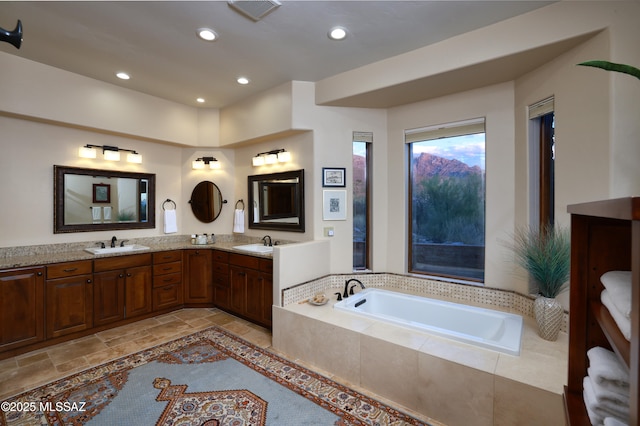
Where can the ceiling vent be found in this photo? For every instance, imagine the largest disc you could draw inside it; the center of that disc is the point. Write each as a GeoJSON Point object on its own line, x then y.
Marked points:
{"type": "Point", "coordinates": [254, 9]}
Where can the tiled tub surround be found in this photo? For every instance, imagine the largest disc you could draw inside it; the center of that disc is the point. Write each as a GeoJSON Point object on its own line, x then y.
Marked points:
{"type": "Point", "coordinates": [452, 382]}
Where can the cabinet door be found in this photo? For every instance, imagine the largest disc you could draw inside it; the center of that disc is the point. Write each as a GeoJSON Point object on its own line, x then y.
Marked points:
{"type": "Point", "coordinates": [222, 291]}
{"type": "Point", "coordinates": [238, 282]}
{"type": "Point", "coordinates": [198, 282]}
{"type": "Point", "coordinates": [21, 307]}
{"type": "Point", "coordinates": [108, 297]}
{"type": "Point", "coordinates": [138, 296]}
{"type": "Point", "coordinates": [69, 305]}
{"type": "Point", "coordinates": [254, 303]}
{"type": "Point", "coordinates": [267, 303]}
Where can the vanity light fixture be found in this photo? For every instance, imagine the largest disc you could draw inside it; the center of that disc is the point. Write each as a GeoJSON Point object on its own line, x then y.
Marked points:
{"type": "Point", "coordinates": [200, 163]}
{"type": "Point", "coordinates": [111, 153]}
{"type": "Point", "coordinates": [271, 157]}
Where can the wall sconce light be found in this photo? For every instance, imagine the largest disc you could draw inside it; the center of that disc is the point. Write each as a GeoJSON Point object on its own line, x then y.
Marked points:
{"type": "Point", "coordinates": [111, 153]}
{"type": "Point", "coordinates": [201, 162]}
{"type": "Point", "coordinates": [271, 157]}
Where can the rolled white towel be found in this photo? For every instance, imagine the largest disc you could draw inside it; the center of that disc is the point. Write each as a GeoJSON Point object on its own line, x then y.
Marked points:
{"type": "Point", "coordinates": [610, 393]}
{"type": "Point", "coordinates": [618, 284]}
{"type": "Point", "coordinates": [606, 369]}
{"type": "Point", "coordinates": [600, 411]}
{"type": "Point", "coordinates": [612, 421]}
{"type": "Point", "coordinates": [623, 323]}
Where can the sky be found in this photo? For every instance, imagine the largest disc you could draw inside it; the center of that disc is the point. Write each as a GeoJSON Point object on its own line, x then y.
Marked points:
{"type": "Point", "coordinates": [470, 149]}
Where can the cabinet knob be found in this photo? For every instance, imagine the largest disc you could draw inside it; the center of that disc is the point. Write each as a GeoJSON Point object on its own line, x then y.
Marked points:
{"type": "Point", "coordinates": [39, 274]}
{"type": "Point", "coordinates": [121, 276]}
{"type": "Point", "coordinates": [88, 281]}
{"type": "Point", "coordinates": [128, 274]}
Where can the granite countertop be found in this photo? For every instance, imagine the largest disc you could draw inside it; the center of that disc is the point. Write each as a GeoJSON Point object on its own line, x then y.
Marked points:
{"type": "Point", "coordinates": [17, 257]}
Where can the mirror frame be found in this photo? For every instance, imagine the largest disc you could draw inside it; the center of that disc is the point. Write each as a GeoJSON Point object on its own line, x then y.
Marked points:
{"type": "Point", "coordinates": [59, 227]}
{"type": "Point", "coordinates": [195, 204]}
{"type": "Point", "coordinates": [292, 227]}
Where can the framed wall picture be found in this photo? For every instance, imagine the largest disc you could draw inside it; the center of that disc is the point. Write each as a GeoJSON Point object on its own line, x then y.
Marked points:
{"type": "Point", "coordinates": [333, 177]}
{"type": "Point", "coordinates": [334, 204]}
{"type": "Point", "coordinates": [101, 193]}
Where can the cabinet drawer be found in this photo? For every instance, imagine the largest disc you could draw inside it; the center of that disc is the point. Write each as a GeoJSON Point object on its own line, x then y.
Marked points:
{"type": "Point", "coordinates": [246, 261]}
{"type": "Point", "coordinates": [167, 297]}
{"type": "Point", "coordinates": [69, 269]}
{"type": "Point", "coordinates": [167, 256]}
{"type": "Point", "coordinates": [162, 280]}
{"type": "Point", "coordinates": [220, 256]}
{"type": "Point", "coordinates": [167, 268]}
{"type": "Point", "coordinates": [121, 262]}
{"type": "Point", "coordinates": [221, 281]}
{"type": "Point", "coordinates": [266, 265]}
{"type": "Point", "coordinates": [220, 269]}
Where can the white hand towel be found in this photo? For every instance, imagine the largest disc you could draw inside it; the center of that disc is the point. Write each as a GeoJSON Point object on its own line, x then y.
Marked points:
{"type": "Point", "coordinates": [238, 221]}
{"type": "Point", "coordinates": [107, 213]}
{"type": "Point", "coordinates": [618, 284]}
{"type": "Point", "coordinates": [601, 409]}
{"type": "Point", "coordinates": [96, 212]}
{"type": "Point", "coordinates": [170, 222]}
{"type": "Point", "coordinates": [606, 369]}
{"type": "Point", "coordinates": [623, 322]}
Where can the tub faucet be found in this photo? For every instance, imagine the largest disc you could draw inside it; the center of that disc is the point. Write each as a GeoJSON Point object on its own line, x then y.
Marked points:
{"type": "Point", "coordinates": [113, 241]}
{"type": "Point", "coordinates": [346, 287]}
{"type": "Point", "coordinates": [264, 239]}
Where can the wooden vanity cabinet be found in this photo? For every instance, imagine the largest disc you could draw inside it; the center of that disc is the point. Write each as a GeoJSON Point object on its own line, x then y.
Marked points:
{"type": "Point", "coordinates": [122, 288]}
{"type": "Point", "coordinates": [167, 280]}
{"type": "Point", "coordinates": [251, 283]}
{"type": "Point", "coordinates": [68, 298]}
{"type": "Point", "coordinates": [21, 307]}
{"type": "Point", "coordinates": [198, 276]}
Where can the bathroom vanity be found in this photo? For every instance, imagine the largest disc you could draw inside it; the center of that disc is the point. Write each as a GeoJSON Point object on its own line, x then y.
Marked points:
{"type": "Point", "coordinates": [48, 303]}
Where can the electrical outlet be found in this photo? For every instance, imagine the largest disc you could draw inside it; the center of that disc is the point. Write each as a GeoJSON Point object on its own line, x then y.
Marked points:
{"type": "Point", "coordinates": [328, 231]}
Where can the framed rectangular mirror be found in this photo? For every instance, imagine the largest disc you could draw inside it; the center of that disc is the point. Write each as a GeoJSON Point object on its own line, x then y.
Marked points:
{"type": "Point", "coordinates": [276, 201]}
{"type": "Point", "coordinates": [100, 200]}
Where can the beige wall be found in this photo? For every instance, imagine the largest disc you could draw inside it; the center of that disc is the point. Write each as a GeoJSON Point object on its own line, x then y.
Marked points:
{"type": "Point", "coordinates": [597, 131]}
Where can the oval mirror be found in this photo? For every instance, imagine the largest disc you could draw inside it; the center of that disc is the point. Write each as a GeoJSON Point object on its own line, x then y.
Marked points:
{"type": "Point", "coordinates": [206, 201]}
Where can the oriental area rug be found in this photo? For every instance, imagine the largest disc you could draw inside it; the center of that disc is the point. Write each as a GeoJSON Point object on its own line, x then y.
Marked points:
{"type": "Point", "coordinates": [209, 378]}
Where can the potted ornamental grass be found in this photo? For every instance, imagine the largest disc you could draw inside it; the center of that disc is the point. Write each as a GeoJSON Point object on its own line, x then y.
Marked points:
{"type": "Point", "coordinates": [545, 253]}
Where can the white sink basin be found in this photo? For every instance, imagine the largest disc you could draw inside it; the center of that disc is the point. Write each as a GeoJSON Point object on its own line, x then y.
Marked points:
{"type": "Point", "coordinates": [255, 248]}
{"type": "Point", "coordinates": [111, 250]}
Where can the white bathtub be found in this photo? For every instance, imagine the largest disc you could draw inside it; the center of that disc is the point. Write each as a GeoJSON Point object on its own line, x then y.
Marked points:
{"type": "Point", "coordinates": [499, 331]}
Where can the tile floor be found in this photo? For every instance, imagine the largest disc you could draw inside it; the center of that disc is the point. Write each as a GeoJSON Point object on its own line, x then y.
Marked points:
{"type": "Point", "coordinates": [41, 366]}
{"type": "Point", "coordinates": [33, 369]}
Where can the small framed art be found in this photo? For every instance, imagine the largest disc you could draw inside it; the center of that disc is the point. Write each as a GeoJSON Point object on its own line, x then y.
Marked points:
{"type": "Point", "coordinates": [333, 177]}
{"type": "Point", "coordinates": [101, 193]}
{"type": "Point", "coordinates": [334, 204]}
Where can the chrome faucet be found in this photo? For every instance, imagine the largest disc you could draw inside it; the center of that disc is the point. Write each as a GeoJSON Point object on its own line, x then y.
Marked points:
{"type": "Point", "coordinates": [346, 287]}
{"type": "Point", "coordinates": [113, 241]}
{"type": "Point", "coordinates": [264, 239]}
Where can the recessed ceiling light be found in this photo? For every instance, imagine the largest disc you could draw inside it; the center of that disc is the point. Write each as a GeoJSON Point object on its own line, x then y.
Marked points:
{"type": "Point", "coordinates": [200, 100]}
{"type": "Point", "coordinates": [337, 33]}
{"type": "Point", "coordinates": [207, 34]}
{"type": "Point", "coordinates": [123, 75]}
{"type": "Point", "coordinates": [243, 80]}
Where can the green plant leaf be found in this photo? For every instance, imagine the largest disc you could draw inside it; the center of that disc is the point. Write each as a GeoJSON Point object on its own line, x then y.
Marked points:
{"type": "Point", "coordinates": [612, 66]}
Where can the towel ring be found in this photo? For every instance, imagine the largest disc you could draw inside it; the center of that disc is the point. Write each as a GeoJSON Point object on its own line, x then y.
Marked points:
{"type": "Point", "coordinates": [169, 201]}
{"type": "Point", "coordinates": [240, 201]}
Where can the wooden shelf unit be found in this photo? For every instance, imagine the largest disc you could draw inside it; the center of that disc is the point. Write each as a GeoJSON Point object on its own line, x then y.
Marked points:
{"type": "Point", "coordinates": [605, 236]}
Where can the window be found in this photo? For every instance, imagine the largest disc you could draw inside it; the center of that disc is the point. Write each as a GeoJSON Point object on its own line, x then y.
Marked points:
{"type": "Point", "coordinates": [361, 200]}
{"type": "Point", "coordinates": [447, 200]}
{"type": "Point", "coordinates": [542, 158]}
